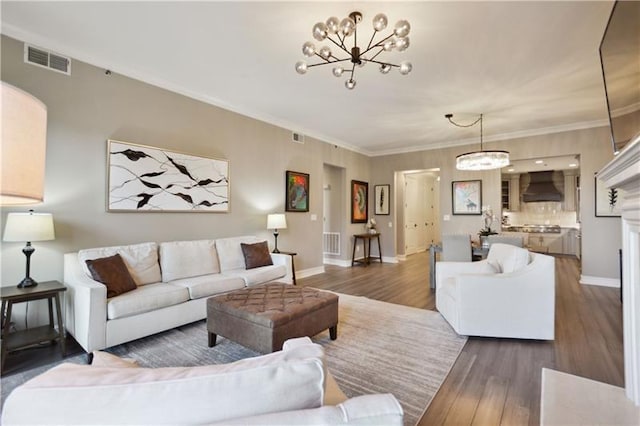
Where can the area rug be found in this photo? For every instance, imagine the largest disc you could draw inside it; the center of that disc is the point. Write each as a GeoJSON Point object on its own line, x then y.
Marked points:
{"type": "Point", "coordinates": [381, 348]}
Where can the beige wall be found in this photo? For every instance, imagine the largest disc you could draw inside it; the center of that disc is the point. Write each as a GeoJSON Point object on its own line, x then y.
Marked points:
{"type": "Point", "coordinates": [89, 107]}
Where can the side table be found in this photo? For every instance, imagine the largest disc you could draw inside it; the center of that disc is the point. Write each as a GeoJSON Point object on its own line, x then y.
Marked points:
{"type": "Point", "coordinates": [293, 266]}
{"type": "Point", "coordinates": [49, 290]}
{"type": "Point", "coordinates": [366, 246]}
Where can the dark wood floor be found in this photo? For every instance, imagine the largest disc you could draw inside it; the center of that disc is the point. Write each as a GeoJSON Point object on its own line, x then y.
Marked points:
{"type": "Point", "coordinates": [498, 381]}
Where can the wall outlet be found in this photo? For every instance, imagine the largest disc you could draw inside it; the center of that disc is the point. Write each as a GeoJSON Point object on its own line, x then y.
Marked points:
{"type": "Point", "coordinates": [314, 217]}
{"type": "Point", "coordinates": [357, 249]}
{"type": "Point", "coordinates": [446, 218]}
{"type": "Point", "coordinates": [390, 224]}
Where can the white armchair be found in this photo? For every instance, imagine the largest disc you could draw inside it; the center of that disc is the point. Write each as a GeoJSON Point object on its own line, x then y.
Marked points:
{"type": "Point", "coordinates": [510, 294]}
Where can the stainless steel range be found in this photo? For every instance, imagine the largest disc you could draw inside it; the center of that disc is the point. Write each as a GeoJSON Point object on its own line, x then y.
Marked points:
{"type": "Point", "coordinates": [534, 229]}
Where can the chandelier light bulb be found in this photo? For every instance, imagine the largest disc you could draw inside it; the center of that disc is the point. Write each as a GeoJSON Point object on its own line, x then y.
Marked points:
{"type": "Point", "coordinates": [402, 28]}
{"type": "Point", "coordinates": [385, 68]}
{"type": "Point", "coordinates": [308, 49]}
{"type": "Point", "coordinates": [333, 25]}
{"type": "Point", "coordinates": [325, 52]}
{"type": "Point", "coordinates": [350, 84]}
{"type": "Point", "coordinates": [405, 67]}
{"type": "Point", "coordinates": [319, 31]}
{"type": "Point", "coordinates": [389, 45]}
{"type": "Point", "coordinates": [402, 43]}
{"type": "Point", "coordinates": [347, 27]}
{"type": "Point", "coordinates": [380, 22]}
{"type": "Point", "coordinates": [337, 71]}
{"type": "Point", "coordinates": [301, 67]}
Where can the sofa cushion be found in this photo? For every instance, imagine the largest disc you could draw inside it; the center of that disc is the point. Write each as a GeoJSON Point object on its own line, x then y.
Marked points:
{"type": "Point", "coordinates": [208, 285]}
{"type": "Point", "coordinates": [259, 275]}
{"type": "Point", "coordinates": [507, 258]}
{"type": "Point", "coordinates": [230, 253]}
{"type": "Point", "coordinates": [141, 260]}
{"type": "Point", "coordinates": [81, 394]}
{"type": "Point", "coordinates": [184, 259]}
{"type": "Point", "coordinates": [144, 299]}
{"type": "Point", "coordinates": [113, 273]}
{"type": "Point", "coordinates": [256, 255]}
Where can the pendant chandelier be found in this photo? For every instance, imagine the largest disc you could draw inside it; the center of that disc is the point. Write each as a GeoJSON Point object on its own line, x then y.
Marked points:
{"type": "Point", "coordinates": [479, 160]}
{"type": "Point", "coordinates": [337, 32]}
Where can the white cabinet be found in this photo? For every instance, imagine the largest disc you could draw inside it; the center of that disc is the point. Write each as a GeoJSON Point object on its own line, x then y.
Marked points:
{"type": "Point", "coordinates": [510, 192]}
{"type": "Point", "coordinates": [546, 242]}
{"type": "Point", "coordinates": [569, 241]}
{"type": "Point", "coordinates": [570, 190]}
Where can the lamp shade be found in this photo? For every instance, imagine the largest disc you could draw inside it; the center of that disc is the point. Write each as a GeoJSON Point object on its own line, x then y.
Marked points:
{"type": "Point", "coordinates": [276, 221]}
{"type": "Point", "coordinates": [23, 146]}
{"type": "Point", "coordinates": [29, 227]}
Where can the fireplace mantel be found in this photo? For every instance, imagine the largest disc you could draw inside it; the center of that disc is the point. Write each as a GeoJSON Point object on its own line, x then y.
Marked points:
{"type": "Point", "coordinates": [623, 172]}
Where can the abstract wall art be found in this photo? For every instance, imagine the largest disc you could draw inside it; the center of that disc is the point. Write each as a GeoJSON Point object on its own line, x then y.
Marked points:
{"type": "Point", "coordinates": [359, 201]}
{"type": "Point", "coordinates": [297, 192]}
{"type": "Point", "coordinates": [382, 193]}
{"type": "Point", "coordinates": [466, 197]}
{"type": "Point", "coordinates": [144, 178]}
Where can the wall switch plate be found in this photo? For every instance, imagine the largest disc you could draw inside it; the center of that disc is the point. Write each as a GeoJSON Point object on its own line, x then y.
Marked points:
{"type": "Point", "coordinates": [314, 217]}
{"type": "Point", "coordinates": [446, 218]}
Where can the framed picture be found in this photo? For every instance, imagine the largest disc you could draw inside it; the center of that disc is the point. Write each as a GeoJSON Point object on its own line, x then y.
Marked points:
{"type": "Point", "coordinates": [146, 179]}
{"type": "Point", "coordinates": [382, 194]}
{"type": "Point", "coordinates": [608, 200]}
{"type": "Point", "coordinates": [297, 192]}
{"type": "Point", "coordinates": [359, 201]}
{"type": "Point", "coordinates": [466, 197]}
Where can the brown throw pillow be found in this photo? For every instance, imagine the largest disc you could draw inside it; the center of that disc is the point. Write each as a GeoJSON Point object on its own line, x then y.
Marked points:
{"type": "Point", "coordinates": [256, 255]}
{"type": "Point", "coordinates": [113, 273]}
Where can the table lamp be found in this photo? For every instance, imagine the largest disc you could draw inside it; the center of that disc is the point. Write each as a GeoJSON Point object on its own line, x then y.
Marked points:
{"type": "Point", "coordinates": [276, 221]}
{"type": "Point", "coordinates": [28, 227]}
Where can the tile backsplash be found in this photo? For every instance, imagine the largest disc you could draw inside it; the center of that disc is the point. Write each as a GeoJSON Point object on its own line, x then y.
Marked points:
{"type": "Point", "coordinates": [547, 213]}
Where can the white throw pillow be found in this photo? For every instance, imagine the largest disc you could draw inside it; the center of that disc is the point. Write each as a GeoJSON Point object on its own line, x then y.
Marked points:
{"type": "Point", "coordinates": [141, 260]}
{"type": "Point", "coordinates": [184, 259]}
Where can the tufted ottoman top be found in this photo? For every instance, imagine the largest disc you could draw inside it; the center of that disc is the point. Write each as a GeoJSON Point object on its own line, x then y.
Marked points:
{"type": "Point", "coordinates": [271, 304]}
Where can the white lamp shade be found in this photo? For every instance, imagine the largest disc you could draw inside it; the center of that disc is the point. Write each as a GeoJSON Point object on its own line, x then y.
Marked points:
{"type": "Point", "coordinates": [276, 221]}
{"type": "Point", "coordinates": [23, 146]}
{"type": "Point", "coordinates": [25, 227]}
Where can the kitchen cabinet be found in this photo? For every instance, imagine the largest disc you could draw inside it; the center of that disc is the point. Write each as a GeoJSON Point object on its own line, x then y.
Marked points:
{"type": "Point", "coordinates": [510, 192]}
{"type": "Point", "coordinates": [546, 242]}
{"type": "Point", "coordinates": [504, 194]}
{"type": "Point", "coordinates": [571, 242]}
{"type": "Point", "coordinates": [570, 190]}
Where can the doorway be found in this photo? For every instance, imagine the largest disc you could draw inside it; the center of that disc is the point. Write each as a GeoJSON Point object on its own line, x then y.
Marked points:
{"type": "Point", "coordinates": [333, 213]}
{"type": "Point", "coordinates": [420, 210]}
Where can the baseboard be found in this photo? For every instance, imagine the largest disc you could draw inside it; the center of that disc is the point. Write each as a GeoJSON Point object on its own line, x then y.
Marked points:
{"type": "Point", "coordinates": [401, 257]}
{"type": "Point", "coordinates": [309, 272]}
{"type": "Point", "coordinates": [601, 281]}
{"type": "Point", "coordinates": [386, 259]}
{"type": "Point", "coordinates": [337, 262]}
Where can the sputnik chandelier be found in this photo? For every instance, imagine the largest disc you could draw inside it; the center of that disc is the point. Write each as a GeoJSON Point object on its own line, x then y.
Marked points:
{"type": "Point", "coordinates": [337, 32]}
{"type": "Point", "coordinates": [479, 160]}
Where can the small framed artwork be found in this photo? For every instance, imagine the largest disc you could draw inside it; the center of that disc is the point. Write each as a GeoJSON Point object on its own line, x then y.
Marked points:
{"type": "Point", "coordinates": [466, 197]}
{"type": "Point", "coordinates": [143, 178]}
{"type": "Point", "coordinates": [297, 192]}
{"type": "Point", "coordinates": [382, 195]}
{"type": "Point", "coordinates": [608, 200]}
{"type": "Point", "coordinates": [359, 201]}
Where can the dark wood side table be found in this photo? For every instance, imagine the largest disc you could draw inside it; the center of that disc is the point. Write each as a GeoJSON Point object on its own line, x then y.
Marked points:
{"type": "Point", "coordinates": [293, 266]}
{"type": "Point", "coordinates": [366, 246]}
{"type": "Point", "coordinates": [49, 290]}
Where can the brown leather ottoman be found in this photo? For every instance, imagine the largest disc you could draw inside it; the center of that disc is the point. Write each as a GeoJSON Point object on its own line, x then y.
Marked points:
{"type": "Point", "coordinates": [264, 316]}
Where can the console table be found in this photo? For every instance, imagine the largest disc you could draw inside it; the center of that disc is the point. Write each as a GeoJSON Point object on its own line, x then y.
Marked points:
{"type": "Point", "coordinates": [49, 290]}
{"type": "Point", "coordinates": [366, 246]}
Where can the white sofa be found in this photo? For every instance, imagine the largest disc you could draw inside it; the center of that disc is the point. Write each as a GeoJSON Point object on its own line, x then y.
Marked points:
{"type": "Point", "coordinates": [510, 294]}
{"type": "Point", "coordinates": [289, 387]}
{"type": "Point", "coordinates": [173, 281]}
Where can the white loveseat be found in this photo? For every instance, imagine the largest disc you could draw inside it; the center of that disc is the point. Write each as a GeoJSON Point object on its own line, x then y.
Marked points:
{"type": "Point", "coordinates": [289, 387]}
{"type": "Point", "coordinates": [510, 294]}
{"type": "Point", "coordinates": [173, 280]}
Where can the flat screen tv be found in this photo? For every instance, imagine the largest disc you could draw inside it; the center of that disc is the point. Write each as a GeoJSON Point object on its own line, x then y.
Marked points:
{"type": "Point", "coordinates": [620, 59]}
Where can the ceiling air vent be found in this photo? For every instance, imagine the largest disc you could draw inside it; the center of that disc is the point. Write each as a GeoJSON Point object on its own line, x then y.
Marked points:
{"type": "Point", "coordinates": [297, 137]}
{"type": "Point", "coordinates": [43, 58]}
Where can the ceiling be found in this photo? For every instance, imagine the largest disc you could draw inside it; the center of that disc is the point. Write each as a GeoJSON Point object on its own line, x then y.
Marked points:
{"type": "Point", "coordinates": [529, 67]}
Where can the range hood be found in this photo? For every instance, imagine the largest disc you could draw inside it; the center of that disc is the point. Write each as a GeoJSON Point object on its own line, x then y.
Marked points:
{"type": "Point", "coordinates": [541, 188]}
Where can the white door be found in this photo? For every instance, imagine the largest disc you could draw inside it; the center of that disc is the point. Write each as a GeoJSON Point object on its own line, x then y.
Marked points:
{"type": "Point", "coordinates": [415, 232]}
